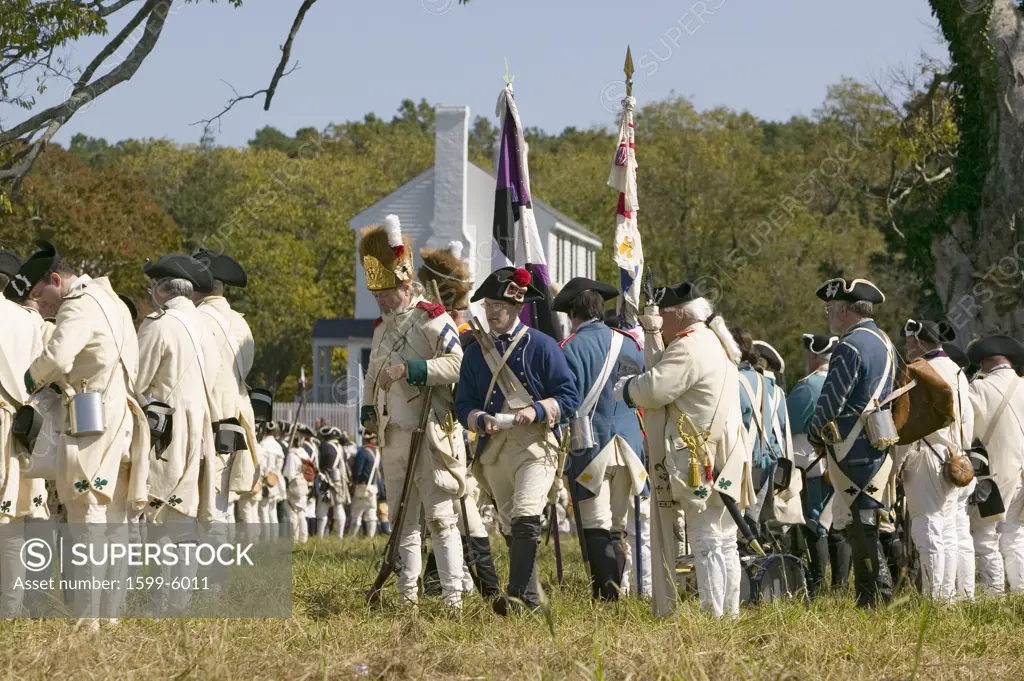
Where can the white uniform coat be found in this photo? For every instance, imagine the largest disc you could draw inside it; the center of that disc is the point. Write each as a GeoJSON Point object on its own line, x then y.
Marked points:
{"type": "Point", "coordinates": [170, 372]}
{"type": "Point", "coordinates": [1006, 444]}
{"type": "Point", "coordinates": [231, 335]}
{"type": "Point", "coordinates": [84, 349]}
{"type": "Point", "coordinates": [21, 342]}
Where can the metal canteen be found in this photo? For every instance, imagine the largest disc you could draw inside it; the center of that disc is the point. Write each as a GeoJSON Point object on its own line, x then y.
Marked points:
{"type": "Point", "coordinates": [881, 429]}
{"type": "Point", "coordinates": [87, 413]}
{"type": "Point", "coordinates": [581, 435]}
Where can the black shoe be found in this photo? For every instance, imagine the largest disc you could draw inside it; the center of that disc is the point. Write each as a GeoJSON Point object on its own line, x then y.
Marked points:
{"type": "Point", "coordinates": [478, 556]}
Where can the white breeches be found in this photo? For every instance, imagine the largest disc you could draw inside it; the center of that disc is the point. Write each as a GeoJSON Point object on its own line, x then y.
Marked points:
{"type": "Point", "coordinates": [929, 532]}
{"type": "Point", "coordinates": [364, 508]}
{"type": "Point", "coordinates": [322, 510]}
{"type": "Point", "coordinates": [712, 535]}
{"type": "Point", "coordinates": [614, 500]}
{"type": "Point", "coordinates": [298, 493]}
{"type": "Point", "coordinates": [520, 481]}
{"type": "Point", "coordinates": [11, 566]}
{"type": "Point", "coordinates": [958, 582]}
{"type": "Point", "coordinates": [996, 541]}
{"type": "Point", "coordinates": [249, 508]}
{"type": "Point", "coordinates": [439, 508]}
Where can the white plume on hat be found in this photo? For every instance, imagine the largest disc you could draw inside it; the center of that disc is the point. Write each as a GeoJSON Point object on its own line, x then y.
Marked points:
{"type": "Point", "coordinates": [455, 248]}
{"type": "Point", "coordinates": [393, 229]}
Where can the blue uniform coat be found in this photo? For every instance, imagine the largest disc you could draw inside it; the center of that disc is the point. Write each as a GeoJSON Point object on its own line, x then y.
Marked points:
{"type": "Point", "coordinates": [537, 362]}
{"type": "Point", "coordinates": [585, 352]}
{"type": "Point", "coordinates": [857, 367]}
{"type": "Point", "coordinates": [801, 404]}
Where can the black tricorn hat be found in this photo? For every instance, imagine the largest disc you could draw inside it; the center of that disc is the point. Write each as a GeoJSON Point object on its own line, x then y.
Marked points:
{"type": "Point", "coordinates": [931, 332]}
{"type": "Point", "coordinates": [818, 343]}
{"type": "Point", "coordinates": [180, 266]}
{"type": "Point", "coordinates": [33, 270]}
{"type": "Point", "coordinates": [992, 346]}
{"type": "Point", "coordinates": [957, 355]}
{"type": "Point", "coordinates": [10, 263]}
{"type": "Point", "coordinates": [576, 286]}
{"type": "Point", "coordinates": [222, 267]}
{"type": "Point", "coordinates": [850, 291]}
{"type": "Point", "coordinates": [670, 296]}
{"type": "Point", "coordinates": [508, 284]}
{"type": "Point", "coordinates": [771, 356]}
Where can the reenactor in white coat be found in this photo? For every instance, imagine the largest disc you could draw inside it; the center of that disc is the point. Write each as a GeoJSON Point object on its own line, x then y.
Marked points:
{"type": "Point", "coordinates": [998, 400]}
{"type": "Point", "coordinates": [273, 480]}
{"type": "Point", "coordinates": [929, 494]}
{"type": "Point", "coordinates": [177, 362]}
{"type": "Point", "coordinates": [691, 409]}
{"type": "Point", "coordinates": [332, 483]}
{"type": "Point", "coordinates": [93, 358]}
{"type": "Point", "coordinates": [415, 347]}
{"type": "Point", "coordinates": [235, 471]}
{"type": "Point", "coordinates": [298, 462]}
{"type": "Point", "coordinates": [20, 343]}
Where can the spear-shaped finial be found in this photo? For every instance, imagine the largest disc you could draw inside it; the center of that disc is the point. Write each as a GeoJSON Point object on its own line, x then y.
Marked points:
{"type": "Point", "coordinates": [628, 68]}
{"type": "Point", "coordinates": [508, 77]}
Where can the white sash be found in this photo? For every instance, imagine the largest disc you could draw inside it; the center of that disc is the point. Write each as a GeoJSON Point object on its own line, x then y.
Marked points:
{"type": "Point", "coordinates": [757, 411]}
{"type": "Point", "coordinates": [1000, 410]}
{"type": "Point", "coordinates": [223, 324]}
{"type": "Point", "coordinates": [105, 309]}
{"type": "Point", "coordinates": [194, 337]}
{"type": "Point", "coordinates": [589, 404]}
{"type": "Point", "coordinates": [496, 369]}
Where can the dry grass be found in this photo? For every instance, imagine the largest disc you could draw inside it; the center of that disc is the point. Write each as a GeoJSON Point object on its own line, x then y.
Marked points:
{"type": "Point", "coordinates": [334, 635]}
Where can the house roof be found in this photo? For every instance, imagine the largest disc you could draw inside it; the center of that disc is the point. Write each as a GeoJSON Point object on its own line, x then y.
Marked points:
{"type": "Point", "coordinates": [343, 328]}
{"type": "Point", "coordinates": [559, 215]}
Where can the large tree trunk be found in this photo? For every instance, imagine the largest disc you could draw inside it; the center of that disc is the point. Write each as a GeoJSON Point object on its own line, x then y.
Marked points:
{"type": "Point", "coordinates": [979, 261]}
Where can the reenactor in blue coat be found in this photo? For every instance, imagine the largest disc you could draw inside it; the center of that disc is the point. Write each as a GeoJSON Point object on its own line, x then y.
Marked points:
{"type": "Point", "coordinates": [515, 387]}
{"type": "Point", "coordinates": [818, 493]}
{"type": "Point", "coordinates": [853, 422]}
{"type": "Point", "coordinates": [764, 426]}
{"type": "Point", "coordinates": [608, 476]}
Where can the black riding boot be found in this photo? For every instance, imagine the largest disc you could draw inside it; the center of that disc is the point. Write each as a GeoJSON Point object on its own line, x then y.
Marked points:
{"type": "Point", "coordinates": [431, 578]}
{"type": "Point", "coordinates": [478, 554]}
{"type": "Point", "coordinates": [840, 555]}
{"type": "Point", "coordinates": [605, 576]}
{"type": "Point", "coordinates": [618, 545]}
{"type": "Point", "coordinates": [817, 547]}
{"type": "Point", "coordinates": [522, 567]}
{"type": "Point", "coordinates": [871, 577]}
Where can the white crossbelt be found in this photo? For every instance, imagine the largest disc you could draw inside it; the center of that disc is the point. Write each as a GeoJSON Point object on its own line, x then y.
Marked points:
{"type": "Point", "coordinates": [194, 337]}
{"type": "Point", "coordinates": [223, 324]}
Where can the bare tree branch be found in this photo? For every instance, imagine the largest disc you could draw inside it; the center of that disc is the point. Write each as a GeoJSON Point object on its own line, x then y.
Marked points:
{"type": "Point", "coordinates": [110, 9]}
{"type": "Point", "coordinates": [208, 122]}
{"type": "Point", "coordinates": [286, 52]}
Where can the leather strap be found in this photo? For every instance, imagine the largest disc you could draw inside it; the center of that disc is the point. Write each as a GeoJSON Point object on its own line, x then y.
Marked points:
{"type": "Point", "coordinates": [589, 404]}
{"type": "Point", "coordinates": [496, 368]}
{"type": "Point", "coordinates": [223, 324]}
{"type": "Point", "coordinates": [1000, 410]}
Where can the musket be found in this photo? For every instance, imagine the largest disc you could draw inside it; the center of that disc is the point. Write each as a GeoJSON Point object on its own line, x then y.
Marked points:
{"type": "Point", "coordinates": [577, 514]}
{"type": "Point", "coordinates": [302, 403]}
{"type": "Point", "coordinates": [449, 428]}
{"type": "Point", "coordinates": [553, 532]}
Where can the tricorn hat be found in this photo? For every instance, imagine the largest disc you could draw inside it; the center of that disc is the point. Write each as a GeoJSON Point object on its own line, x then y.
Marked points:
{"type": "Point", "coordinates": [221, 267]}
{"type": "Point", "coordinates": [930, 332]}
{"type": "Point", "coordinates": [386, 255]}
{"type": "Point", "coordinates": [850, 291]}
{"type": "Point", "coordinates": [819, 344]}
{"type": "Point", "coordinates": [957, 355]}
{"type": "Point", "coordinates": [771, 356]}
{"type": "Point", "coordinates": [576, 286]}
{"type": "Point", "coordinates": [510, 285]}
{"type": "Point", "coordinates": [671, 296]}
{"type": "Point", "coordinates": [181, 266]}
{"type": "Point", "coordinates": [10, 263]}
{"type": "Point", "coordinates": [446, 269]}
{"type": "Point", "coordinates": [992, 346]}
{"type": "Point", "coordinates": [33, 270]}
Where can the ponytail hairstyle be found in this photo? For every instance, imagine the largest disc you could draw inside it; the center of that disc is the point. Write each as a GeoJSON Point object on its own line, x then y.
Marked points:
{"type": "Point", "coordinates": [701, 308]}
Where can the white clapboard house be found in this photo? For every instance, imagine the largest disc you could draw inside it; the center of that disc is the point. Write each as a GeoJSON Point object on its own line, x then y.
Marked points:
{"type": "Point", "coordinates": [452, 201]}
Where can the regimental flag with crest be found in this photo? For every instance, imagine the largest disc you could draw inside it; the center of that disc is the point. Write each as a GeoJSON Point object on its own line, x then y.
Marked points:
{"type": "Point", "coordinates": [629, 252]}
{"type": "Point", "coordinates": [512, 208]}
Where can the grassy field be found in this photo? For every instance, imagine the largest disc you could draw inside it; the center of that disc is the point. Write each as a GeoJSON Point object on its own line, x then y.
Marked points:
{"type": "Point", "coordinates": [335, 635]}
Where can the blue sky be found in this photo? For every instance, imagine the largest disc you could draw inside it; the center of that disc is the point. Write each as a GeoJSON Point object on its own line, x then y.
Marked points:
{"type": "Point", "coordinates": [774, 58]}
